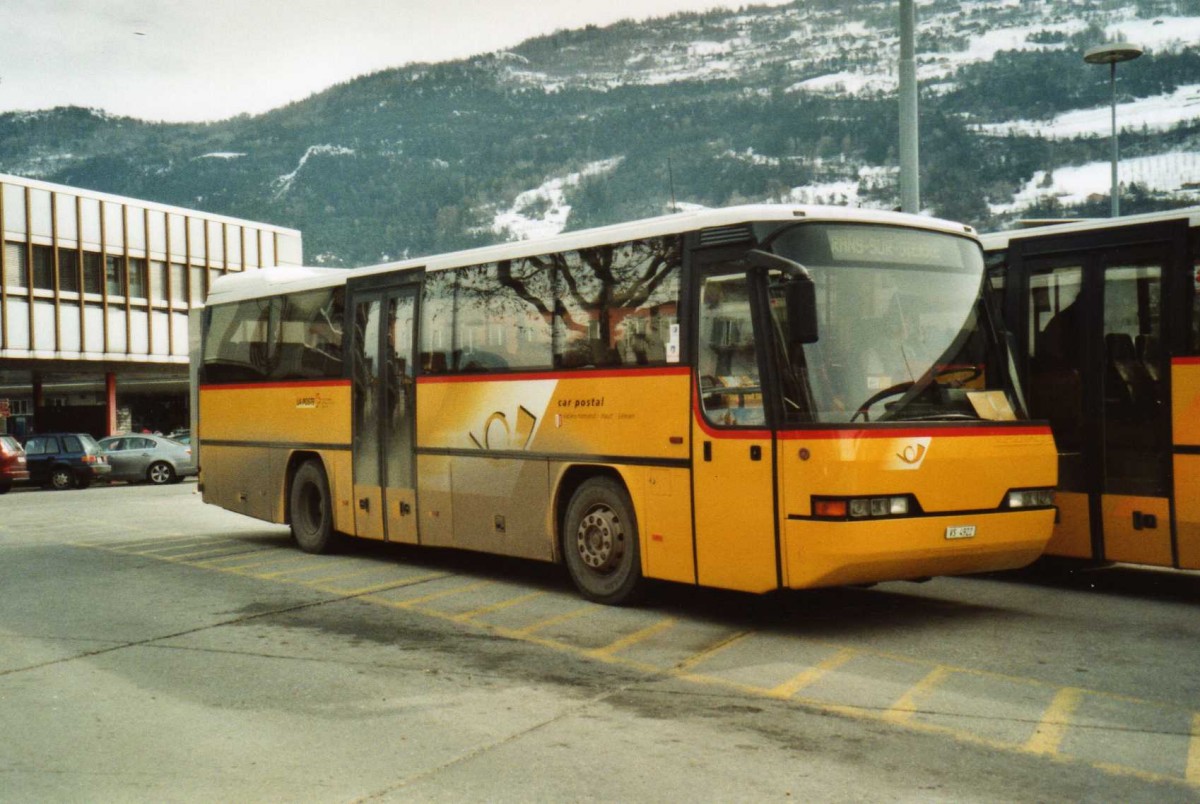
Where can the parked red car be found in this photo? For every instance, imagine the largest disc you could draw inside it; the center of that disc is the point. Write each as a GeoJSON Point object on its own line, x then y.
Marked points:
{"type": "Point", "coordinates": [12, 463]}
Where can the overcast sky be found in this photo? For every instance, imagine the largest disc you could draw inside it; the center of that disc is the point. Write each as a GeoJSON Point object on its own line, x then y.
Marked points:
{"type": "Point", "coordinates": [183, 60]}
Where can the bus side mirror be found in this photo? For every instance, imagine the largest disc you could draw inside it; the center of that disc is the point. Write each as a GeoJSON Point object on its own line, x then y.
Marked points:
{"type": "Point", "coordinates": [800, 295]}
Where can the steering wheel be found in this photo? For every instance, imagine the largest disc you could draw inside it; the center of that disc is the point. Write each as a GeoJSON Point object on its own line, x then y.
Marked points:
{"type": "Point", "coordinates": [865, 407]}
{"type": "Point", "coordinates": [936, 372]}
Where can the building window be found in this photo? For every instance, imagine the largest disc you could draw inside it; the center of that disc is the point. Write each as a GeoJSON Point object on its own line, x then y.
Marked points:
{"type": "Point", "coordinates": [196, 285]}
{"type": "Point", "coordinates": [137, 278]}
{"type": "Point", "coordinates": [14, 265]}
{"type": "Point", "coordinates": [93, 273]}
{"type": "Point", "coordinates": [68, 271]}
{"type": "Point", "coordinates": [115, 274]}
{"type": "Point", "coordinates": [179, 283]}
{"type": "Point", "coordinates": [43, 267]}
{"type": "Point", "coordinates": [158, 280]}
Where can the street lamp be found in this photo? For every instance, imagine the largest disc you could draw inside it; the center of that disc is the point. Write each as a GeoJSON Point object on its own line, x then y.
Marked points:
{"type": "Point", "coordinates": [1112, 54]}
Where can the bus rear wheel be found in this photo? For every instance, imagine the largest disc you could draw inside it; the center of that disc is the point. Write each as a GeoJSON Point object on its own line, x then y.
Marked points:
{"type": "Point", "coordinates": [310, 509]}
{"type": "Point", "coordinates": [600, 543]}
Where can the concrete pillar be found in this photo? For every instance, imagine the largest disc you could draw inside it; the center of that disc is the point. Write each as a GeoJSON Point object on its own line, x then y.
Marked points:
{"type": "Point", "coordinates": [110, 402]}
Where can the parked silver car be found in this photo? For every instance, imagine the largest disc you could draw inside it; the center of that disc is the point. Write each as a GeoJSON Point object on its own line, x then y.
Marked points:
{"type": "Point", "coordinates": [159, 460]}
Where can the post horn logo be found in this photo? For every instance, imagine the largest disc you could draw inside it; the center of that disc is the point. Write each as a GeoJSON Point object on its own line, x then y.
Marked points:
{"type": "Point", "coordinates": [913, 454]}
{"type": "Point", "coordinates": [497, 433]}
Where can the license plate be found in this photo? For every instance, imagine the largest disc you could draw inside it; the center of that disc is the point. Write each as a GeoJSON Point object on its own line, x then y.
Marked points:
{"type": "Point", "coordinates": [960, 531]}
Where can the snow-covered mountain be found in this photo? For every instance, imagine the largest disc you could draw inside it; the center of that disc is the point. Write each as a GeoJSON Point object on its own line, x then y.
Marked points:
{"type": "Point", "coordinates": [781, 103]}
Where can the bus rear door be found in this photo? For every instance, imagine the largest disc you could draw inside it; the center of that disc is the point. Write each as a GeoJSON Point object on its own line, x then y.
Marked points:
{"type": "Point", "coordinates": [1095, 327]}
{"type": "Point", "coordinates": [382, 349]}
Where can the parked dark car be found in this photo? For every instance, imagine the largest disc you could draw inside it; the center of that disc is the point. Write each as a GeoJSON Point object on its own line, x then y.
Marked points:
{"type": "Point", "coordinates": [65, 460]}
{"type": "Point", "coordinates": [12, 463]}
{"type": "Point", "coordinates": [153, 458]}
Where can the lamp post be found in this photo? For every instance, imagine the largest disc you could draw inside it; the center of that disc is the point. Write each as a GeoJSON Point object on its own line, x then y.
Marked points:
{"type": "Point", "coordinates": [1112, 54]}
{"type": "Point", "coordinates": [910, 163]}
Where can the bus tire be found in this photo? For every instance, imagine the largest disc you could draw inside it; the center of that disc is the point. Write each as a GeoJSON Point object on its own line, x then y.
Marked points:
{"type": "Point", "coordinates": [600, 543]}
{"type": "Point", "coordinates": [310, 511]}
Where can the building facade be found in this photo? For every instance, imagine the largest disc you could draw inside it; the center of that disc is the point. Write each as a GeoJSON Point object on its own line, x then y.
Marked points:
{"type": "Point", "coordinates": [94, 303]}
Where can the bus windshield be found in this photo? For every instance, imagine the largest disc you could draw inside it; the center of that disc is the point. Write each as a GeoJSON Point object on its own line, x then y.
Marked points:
{"type": "Point", "coordinates": [899, 321]}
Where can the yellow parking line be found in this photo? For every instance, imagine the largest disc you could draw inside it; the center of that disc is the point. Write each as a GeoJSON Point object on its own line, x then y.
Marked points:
{"type": "Point", "coordinates": [503, 604]}
{"type": "Point", "coordinates": [212, 562]}
{"type": "Point", "coordinates": [200, 553]}
{"type": "Point", "coordinates": [404, 604]}
{"type": "Point", "coordinates": [155, 546]}
{"type": "Point", "coordinates": [697, 658]}
{"type": "Point", "coordinates": [550, 621]}
{"type": "Point", "coordinates": [106, 545]}
{"type": "Point", "coordinates": [341, 576]}
{"type": "Point", "coordinates": [1193, 764]}
{"type": "Point", "coordinates": [1048, 735]}
{"type": "Point", "coordinates": [903, 710]}
{"type": "Point", "coordinates": [632, 639]}
{"type": "Point", "coordinates": [395, 583]}
{"type": "Point", "coordinates": [289, 570]}
{"type": "Point", "coordinates": [812, 674]}
{"type": "Point", "coordinates": [287, 557]}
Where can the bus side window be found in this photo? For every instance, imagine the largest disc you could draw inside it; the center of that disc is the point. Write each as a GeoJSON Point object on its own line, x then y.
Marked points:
{"type": "Point", "coordinates": [616, 304]}
{"type": "Point", "coordinates": [730, 393]}
{"type": "Point", "coordinates": [1195, 250]}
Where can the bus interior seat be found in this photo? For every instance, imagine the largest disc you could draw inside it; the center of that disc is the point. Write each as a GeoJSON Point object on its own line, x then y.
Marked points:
{"type": "Point", "coordinates": [1149, 355]}
{"type": "Point", "coordinates": [1129, 380]}
{"type": "Point", "coordinates": [433, 362]}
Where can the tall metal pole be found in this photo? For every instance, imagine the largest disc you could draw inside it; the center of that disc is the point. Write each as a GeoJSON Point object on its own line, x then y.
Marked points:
{"type": "Point", "coordinates": [1112, 54]}
{"type": "Point", "coordinates": [1116, 187]}
{"type": "Point", "coordinates": [910, 165]}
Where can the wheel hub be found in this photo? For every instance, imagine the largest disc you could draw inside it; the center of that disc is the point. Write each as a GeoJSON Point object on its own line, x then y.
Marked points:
{"type": "Point", "coordinates": [600, 539]}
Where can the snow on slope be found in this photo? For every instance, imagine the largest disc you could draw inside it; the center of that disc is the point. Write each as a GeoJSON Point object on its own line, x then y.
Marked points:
{"type": "Point", "coordinates": [1168, 172]}
{"type": "Point", "coordinates": [543, 211]}
{"type": "Point", "coordinates": [1156, 114]}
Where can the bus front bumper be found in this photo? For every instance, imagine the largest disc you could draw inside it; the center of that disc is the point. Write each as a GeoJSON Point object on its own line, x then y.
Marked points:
{"type": "Point", "coordinates": [838, 553]}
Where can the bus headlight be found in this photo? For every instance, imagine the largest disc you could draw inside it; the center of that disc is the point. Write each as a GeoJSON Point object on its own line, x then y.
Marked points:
{"type": "Point", "coordinates": [1030, 498]}
{"type": "Point", "coordinates": [862, 507]}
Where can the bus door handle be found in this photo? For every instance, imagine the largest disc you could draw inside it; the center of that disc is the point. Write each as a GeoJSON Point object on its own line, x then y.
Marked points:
{"type": "Point", "coordinates": [708, 450]}
{"type": "Point", "coordinates": [365, 504]}
{"type": "Point", "coordinates": [755, 452]}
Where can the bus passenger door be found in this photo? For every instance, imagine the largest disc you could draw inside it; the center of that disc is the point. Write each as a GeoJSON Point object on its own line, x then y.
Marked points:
{"type": "Point", "coordinates": [1095, 338]}
{"type": "Point", "coordinates": [733, 466]}
{"type": "Point", "coordinates": [383, 420]}
{"type": "Point", "coordinates": [399, 420]}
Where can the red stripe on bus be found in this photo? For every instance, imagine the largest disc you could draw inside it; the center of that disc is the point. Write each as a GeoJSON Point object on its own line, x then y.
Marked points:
{"type": "Point", "coordinates": [599, 374]}
{"type": "Point", "coordinates": [246, 386]}
{"type": "Point", "coordinates": [850, 434]}
{"type": "Point", "coordinates": [1185, 361]}
{"type": "Point", "coordinates": [916, 432]}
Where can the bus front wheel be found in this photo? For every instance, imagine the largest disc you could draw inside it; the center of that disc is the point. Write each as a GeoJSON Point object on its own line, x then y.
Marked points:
{"type": "Point", "coordinates": [311, 512]}
{"type": "Point", "coordinates": [600, 543]}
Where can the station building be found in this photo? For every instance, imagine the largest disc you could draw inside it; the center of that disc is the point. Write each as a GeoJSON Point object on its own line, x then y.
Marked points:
{"type": "Point", "coordinates": [94, 303]}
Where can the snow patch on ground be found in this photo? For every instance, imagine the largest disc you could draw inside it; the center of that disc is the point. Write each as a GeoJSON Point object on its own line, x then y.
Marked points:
{"type": "Point", "coordinates": [284, 182]}
{"type": "Point", "coordinates": [543, 211]}
{"type": "Point", "coordinates": [220, 155]}
{"type": "Point", "coordinates": [1158, 113]}
{"type": "Point", "coordinates": [1177, 172]}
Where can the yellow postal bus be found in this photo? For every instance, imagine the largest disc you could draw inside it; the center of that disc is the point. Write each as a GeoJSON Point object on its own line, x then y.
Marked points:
{"type": "Point", "coordinates": [751, 398]}
{"type": "Point", "coordinates": [1107, 319]}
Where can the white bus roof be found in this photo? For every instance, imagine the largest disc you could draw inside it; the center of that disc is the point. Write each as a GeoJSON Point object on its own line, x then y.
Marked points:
{"type": "Point", "coordinates": [271, 281]}
{"type": "Point", "coordinates": [993, 241]}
